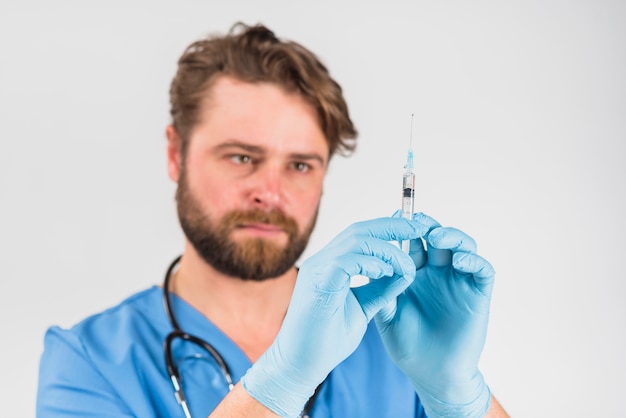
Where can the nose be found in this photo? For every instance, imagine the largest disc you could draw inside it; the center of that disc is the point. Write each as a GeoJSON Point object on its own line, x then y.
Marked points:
{"type": "Point", "coordinates": [266, 188]}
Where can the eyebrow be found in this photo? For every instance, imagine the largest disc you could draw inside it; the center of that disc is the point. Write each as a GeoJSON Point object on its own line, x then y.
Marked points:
{"type": "Point", "coordinates": [255, 149]}
{"type": "Point", "coordinates": [237, 144]}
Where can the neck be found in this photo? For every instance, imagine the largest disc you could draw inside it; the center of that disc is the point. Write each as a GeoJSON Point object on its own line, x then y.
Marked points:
{"type": "Point", "coordinates": [249, 312]}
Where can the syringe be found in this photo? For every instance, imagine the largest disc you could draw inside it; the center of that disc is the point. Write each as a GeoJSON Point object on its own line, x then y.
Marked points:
{"type": "Point", "coordinates": [408, 188]}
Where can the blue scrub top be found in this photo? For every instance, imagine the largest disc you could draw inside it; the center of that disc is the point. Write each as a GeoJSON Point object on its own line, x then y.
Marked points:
{"type": "Point", "coordinates": [112, 364]}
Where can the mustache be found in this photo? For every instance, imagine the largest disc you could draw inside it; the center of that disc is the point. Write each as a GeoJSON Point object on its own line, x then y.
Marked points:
{"type": "Point", "coordinates": [274, 217]}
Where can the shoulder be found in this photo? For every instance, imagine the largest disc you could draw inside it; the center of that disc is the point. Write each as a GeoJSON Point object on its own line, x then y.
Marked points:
{"type": "Point", "coordinates": [134, 318]}
{"type": "Point", "coordinates": [90, 366]}
{"type": "Point", "coordinates": [137, 306]}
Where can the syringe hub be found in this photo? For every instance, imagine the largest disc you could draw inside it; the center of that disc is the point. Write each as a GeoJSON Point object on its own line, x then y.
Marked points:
{"type": "Point", "coordinates": [409, 160]}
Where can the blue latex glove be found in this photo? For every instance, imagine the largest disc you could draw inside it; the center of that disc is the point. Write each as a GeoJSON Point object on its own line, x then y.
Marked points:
{"type": "Point", "coordinates": [435, 331]}
{"type": "Point", "coordinates": [326, 319]}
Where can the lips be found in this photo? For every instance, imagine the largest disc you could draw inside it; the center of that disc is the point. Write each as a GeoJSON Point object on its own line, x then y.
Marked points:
{"type": "Point", "coordinates": [261, 227]}
{"type": "Point", "coordinates": [260, 230]}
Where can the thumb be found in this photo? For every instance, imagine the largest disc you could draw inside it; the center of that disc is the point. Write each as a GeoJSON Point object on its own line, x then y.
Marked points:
{"type": "Point", "coordinates": [380, 293]}
{"type": "Point", "coordinates": [385, 315]}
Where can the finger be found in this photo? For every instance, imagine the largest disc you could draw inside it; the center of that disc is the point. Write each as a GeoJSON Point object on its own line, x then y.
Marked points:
{"type": "Point", "coordinates": [334, 275]}
{"type": "Point", "coordinates": [379, 293]}
{"type": "Point", "coordinates": [400, 262]}
{"type": "Point", "coordinates": [363, 265]}
{"type": "Point", "coordinates": [397, 214]}
{"type": "Point", "coordinates": [451, 239]}
{"type": "Point", "coordinates": [438, 257]}
{"type": "Point", "coordinates": [416, 246]}
{"type": "Point", "coordinates": [367, 256]}
{"type": "Point", "coordinates": [421, 218]}
{"type": "Point", "coordinates": [386, 313]}
{"type": "Point", "coordinates": [481, 270]}
{"type": "Point", "coordinates": [387, 229]}
{"type": "Point", "coordinates": [417, 253]}
{"type": "Point", "coordinates": [426, 220]}
{"type": "Point", "coordinates": [384, 318]}
{"type": "Point", "coordinates": [391, 271]}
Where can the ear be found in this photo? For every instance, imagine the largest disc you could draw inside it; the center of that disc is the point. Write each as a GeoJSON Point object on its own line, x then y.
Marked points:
{"type": "Point", "coordinates": [174, 155]}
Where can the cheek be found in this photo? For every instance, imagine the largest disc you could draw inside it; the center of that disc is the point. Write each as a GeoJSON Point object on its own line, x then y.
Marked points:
{"type": "Point", "coordinates": [221, 197]}
{"type": "Point", "coordinates": [307, 203]}
{"type": "Point", "coordinates": [213, 192]}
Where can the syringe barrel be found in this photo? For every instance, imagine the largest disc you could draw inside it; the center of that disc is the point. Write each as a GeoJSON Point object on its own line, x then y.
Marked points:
{"type": "Point", "coordinates": [408, 202]}
{"type": "Point", "coordinates": [408, 194]}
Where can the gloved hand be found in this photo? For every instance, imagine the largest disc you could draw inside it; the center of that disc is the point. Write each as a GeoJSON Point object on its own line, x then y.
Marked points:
{"type": "Point", "coordinates": [435, 331]}
{"type": "Point", "coordinates": [327, 319]}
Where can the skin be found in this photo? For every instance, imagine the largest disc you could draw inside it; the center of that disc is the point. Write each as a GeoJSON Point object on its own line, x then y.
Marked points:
{"type": "Point", "coordinates": [255, 147]}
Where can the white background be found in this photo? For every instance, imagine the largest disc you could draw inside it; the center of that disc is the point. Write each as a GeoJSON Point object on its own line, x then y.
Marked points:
{"type": "Point", "coordinates": [520, 140]}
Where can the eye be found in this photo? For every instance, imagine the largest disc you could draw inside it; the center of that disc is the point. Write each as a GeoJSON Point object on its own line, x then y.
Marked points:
{"type": "Point", "coordinates": [301, 167]}
{"type": "Point", "coordinates": [240, 159]}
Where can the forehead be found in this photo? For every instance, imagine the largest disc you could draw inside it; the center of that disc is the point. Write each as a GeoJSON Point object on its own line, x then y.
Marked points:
{"type": "Point", "coordinates": [226, 91]}
{"type": "Point", "coordinates": [263, 113]}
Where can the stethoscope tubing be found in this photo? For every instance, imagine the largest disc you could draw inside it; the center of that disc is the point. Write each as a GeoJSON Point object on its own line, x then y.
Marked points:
{"type": "Point", "coordinates": [177, 332]}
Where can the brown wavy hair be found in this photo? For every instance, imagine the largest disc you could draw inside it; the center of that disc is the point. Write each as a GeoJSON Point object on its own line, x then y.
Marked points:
{"type": "Point", "coordinates": [254, 54]}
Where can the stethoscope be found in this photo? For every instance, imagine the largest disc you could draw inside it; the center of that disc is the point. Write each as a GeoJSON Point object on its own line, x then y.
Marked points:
{"type": "Point", "coordinates": [177, 332]}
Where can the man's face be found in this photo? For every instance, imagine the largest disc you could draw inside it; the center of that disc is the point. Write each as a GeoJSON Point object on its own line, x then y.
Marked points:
{"type": "Point", "coordinates": [250, 183]}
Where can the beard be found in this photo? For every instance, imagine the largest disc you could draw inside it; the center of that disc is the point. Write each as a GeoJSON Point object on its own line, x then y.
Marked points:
{"type": "Point", "coordinates": [251, 259]}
